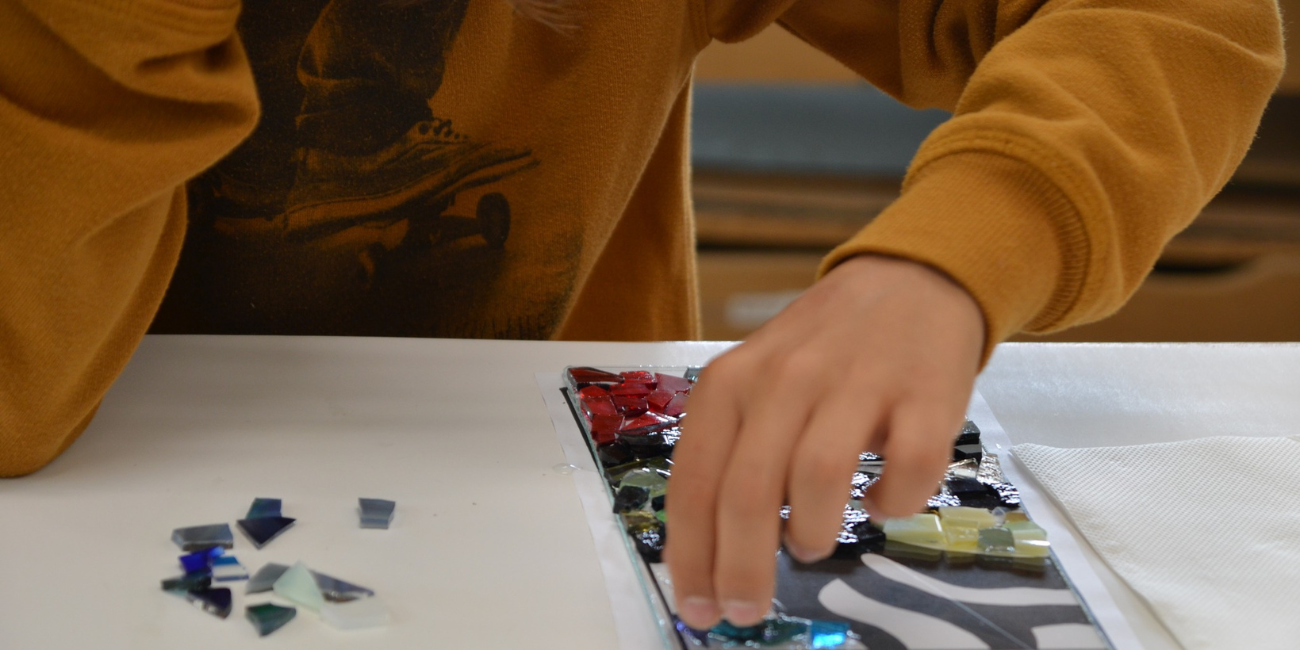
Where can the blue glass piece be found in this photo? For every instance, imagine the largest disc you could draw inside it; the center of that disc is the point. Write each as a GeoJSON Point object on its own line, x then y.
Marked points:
{"type": "Point", "coordinates": [188, 582]}
{"type": "Point", "coordinates": [261, 531]}
{"type": "Point", "coordinates": [265, 578]}
{"type": "Point", "coordinates": [267, 618]}
{"type": "Point", "coordinates": [226, 568]}
{"type": "Point", "coordinates": [263, 507]}
{"type": "Point", "coordinates": [201, 560]}
{"type": "Point", "coordinates": [199, 538]}
{"type": "Point", "coordinates": [828, 634]}
{"type": "Point", "coordinates": [213, 601]}
{"type": "Point", "coordinates": [377, 513]}
{"type": "Point", "coordinates": [339, 591]}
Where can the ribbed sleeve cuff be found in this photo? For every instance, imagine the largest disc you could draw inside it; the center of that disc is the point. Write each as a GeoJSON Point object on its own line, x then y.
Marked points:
{"type": "Point", "coordinates": [996, 226]}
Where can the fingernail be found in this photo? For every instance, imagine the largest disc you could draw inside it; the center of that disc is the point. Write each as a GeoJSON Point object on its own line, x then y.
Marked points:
{"type": "Point", "coordinates": [742, 613]}
{"type": "Point", "coordinates": [699, 612]}
{"type": "Point", "coordinates": [800, 553]}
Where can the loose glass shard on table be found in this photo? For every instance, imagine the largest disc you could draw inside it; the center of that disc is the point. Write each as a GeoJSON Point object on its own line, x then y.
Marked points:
{"type": "Point", "coordinates": [264, 507]}
{"type": "Point", "coordinates": [972, 537]}
{"type": "Point", "coordinates": [267, 618]}
{"type": "Point", "coordinates": [339, 591]}
{"type": "Point", "coordinates": [355, 614]}
{"type": "Point", "coordinates": [213, 601]}
{"type": "Point", "coordinates": [262, 530]}
{"type": "Point", "coordinates": [199, 538]}
{"type": "Point", "coordinates": [187, 582]}
{"type": "Point", "coordinates": [201, 560]}
{"type": "Point", "coordinates": [226, 569]}
{"type": "Point", "coordinates": [298, 586]}
{"type": "Point", "coordinates": [376, 513]}
{"type": "Point", "coordinates": [264, 579]}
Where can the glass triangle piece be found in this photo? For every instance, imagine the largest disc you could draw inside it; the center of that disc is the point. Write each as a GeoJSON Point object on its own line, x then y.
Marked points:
{"type": "Point", "coordinates": [198, 538]}
{"type": "Point", "coordinates": [261, 531]}
{"type": "Point", "coordinates": [356, 614]}
{"type": "Point", "coordinates": [264, 579]}
{"type": "Point", "coordinates": [297, 585]}
{"type": "Point", "coordinates": [268, 618]}
{"type": "Point", "coordinates": [339, 591]}
{"type": "Point", "coordinates": [213, 601]}
{"type": "Point", "coordinates": [263, 507]}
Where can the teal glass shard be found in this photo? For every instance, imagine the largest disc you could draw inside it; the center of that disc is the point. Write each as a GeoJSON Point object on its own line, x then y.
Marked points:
{"type": "Point", "coordinates": [377, 513]}
{"type": "Point", "coordinates": [339, 591]}
{"type": "Point", "coordinates": [268, 618]}
{"type": "Point", "coordinates": [226, 568]}
{"type": "Point", "coordinates": [188, 582]}
{"type": "Point", "coordinates": [356, 614]}
{"type": "Point", "coordinates": [261, 531]}
{"type": "Point", "coordinates": [264, 579]}
{"type": "Point", "coordinates": [213, 601]}
{"type": "Point", "coordinates": [297, 585]}
{"type": "Point", "coordinates": [199, 538]}
{"type": "Point", "coordinates": [263, 507]}
{"type": "Point", "coordinates": [828, 634]}
{"type": "Point", "coordinates": [200, 560]}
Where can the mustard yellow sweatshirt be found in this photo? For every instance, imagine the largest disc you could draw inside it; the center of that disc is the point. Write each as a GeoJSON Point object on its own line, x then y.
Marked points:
{"type": "Point", "coordinates": [451, 168]}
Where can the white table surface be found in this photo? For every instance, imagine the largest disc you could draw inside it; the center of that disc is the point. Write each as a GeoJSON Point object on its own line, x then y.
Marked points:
{"type": "Point", "coordinates": [490, 547]}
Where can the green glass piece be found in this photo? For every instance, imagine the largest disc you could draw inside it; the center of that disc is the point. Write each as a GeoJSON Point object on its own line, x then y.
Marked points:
{"type": "Point", "coordinates": [268, 618]}
{"type": "Point", "coordinates": [997, 541]}
{"type": "Point", "coordinates": [298, 585]}
{"type": "Point", "coordinates": [662, 515]}
{"type": "Point", "coordinates": [646, 479]}
{"type": "Point", "coordinates": [263, 507]}
{"type": "Point", "coordinates": [963, 517]}
{"type": "Point", "coordinates": [264, 579]}
{"type": "Point", "coordinates": [918, 530]}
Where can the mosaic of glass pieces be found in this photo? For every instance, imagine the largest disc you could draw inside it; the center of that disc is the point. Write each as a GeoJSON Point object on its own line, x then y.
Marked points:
{"type": "Point", "coordinates": [267, 618]}
{"type": "Point", "coordinates": [377, 513]}
{"type": "Point", "coordinates": [200, 538]}
{"type": "Point", "coordinates": [340, 603]}
{"type": "Point", "coordinates": [355, 614]}
{"type": "Point", "coordinates": [631, 421]}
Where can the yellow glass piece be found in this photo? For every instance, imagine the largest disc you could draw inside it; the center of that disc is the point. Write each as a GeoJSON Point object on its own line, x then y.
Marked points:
{"type": "Point", "coordinates": [1031, 539]}
{"type": "Point", "coordinates": [1015, 515]}
{"type": "Point", "coordinates": [964, 517]}
{"type": "Point", "coordinates": [918, 530]}
{"type": "Point", "coordinates": [962, 539]}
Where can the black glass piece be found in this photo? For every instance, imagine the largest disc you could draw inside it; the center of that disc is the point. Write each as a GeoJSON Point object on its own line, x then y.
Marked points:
{"type": "Point", "coordinates": [658, 502]}
{"type": "Point", "coordinates": [213, 601]}
{"type": "Point", "coordinates": [615, 454]}
{"type": "Point", "coordinates": [986, 498]}
{"type": "Point", "coordinates": [261, 531]}
{"type": "Point", "coordinates": [650, 541]}
{"type": "Point", "coordinates": [264, 507]}
{"type": "Point", "coordinates": [962, 452]}
{"type": "Point", "coordinates": [629, 498]}
{"type": "Point", "coordinates": [962, 486]}
{"type": "Point", "coordinates": [970, 434]}
{"type": "Point", "coordinates": [189, 581]}
{"type": "Point", "coordinates": [693, 374]}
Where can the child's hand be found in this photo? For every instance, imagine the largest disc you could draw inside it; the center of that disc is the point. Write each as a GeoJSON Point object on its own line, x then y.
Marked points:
{"type": "Point", "coordinates": [880, 355]}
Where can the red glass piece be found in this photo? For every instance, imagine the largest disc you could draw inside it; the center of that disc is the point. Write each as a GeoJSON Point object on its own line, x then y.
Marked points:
{"type": "Point", "coordinates": [676, 407]}
{"type": "Point", "coordinates": [592, 391]}
{"type": "Point", "coordinates": [639, 390]}
{"type": "Point", "coordinates": [673, 384]}
{"type": "Point", "coordinates": [639, 377]}
{"type": "Point", "coordinates": [603, 428]}
{"type": "Point", "coordinates": [630, 405]}
{"type": "Point", "coordinates": [659, 399]}
{"type": "Point", "coordinates": [584, 377]}
{"type": "Point", "coordinates": [599, 406]}
{"type": "Point", "coordinates": [645, 423]}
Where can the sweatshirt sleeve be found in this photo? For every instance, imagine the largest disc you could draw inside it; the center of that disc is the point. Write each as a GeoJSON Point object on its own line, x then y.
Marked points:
{"type": "Point", "coordinates": [106, 109]}
{"type": "Point", "coordinates": [1086, 133]}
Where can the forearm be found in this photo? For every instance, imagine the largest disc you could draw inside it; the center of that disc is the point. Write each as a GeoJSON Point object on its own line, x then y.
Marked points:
{"type": "Point", "coordinates": [105, 112]}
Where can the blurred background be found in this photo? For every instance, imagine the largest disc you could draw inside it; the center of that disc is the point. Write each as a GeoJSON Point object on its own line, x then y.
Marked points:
{"type": "Point", "coordinates": [793, 154]}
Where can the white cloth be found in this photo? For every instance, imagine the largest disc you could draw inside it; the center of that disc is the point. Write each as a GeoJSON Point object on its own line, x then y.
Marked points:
{"type": "Point", "coordinates": [1207, 531]}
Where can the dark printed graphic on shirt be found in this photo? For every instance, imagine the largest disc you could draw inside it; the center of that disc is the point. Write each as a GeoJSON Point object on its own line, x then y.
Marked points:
{"type": "Point", "coordinates": [353, 208]}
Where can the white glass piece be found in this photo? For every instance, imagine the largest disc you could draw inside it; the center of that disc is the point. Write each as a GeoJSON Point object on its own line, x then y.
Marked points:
{"type": "Point", "coordinates": [298, 586]}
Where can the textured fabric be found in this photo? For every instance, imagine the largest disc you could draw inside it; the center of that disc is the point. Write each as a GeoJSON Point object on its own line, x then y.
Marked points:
{"type": "Point", "coordinates": [370, 199]}
{"type": "Point", "coordinates": [1207, 530]}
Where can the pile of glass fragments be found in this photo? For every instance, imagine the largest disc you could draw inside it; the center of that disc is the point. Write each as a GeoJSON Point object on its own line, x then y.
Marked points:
{"type": "Point", "coordinates": [339, 603]}
{"type": "Point", "coordinates": [632, 418]}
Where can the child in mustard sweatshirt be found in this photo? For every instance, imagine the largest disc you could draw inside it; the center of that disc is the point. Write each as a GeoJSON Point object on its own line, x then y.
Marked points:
{"type": "Point", "coordinates": [468, 168]}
